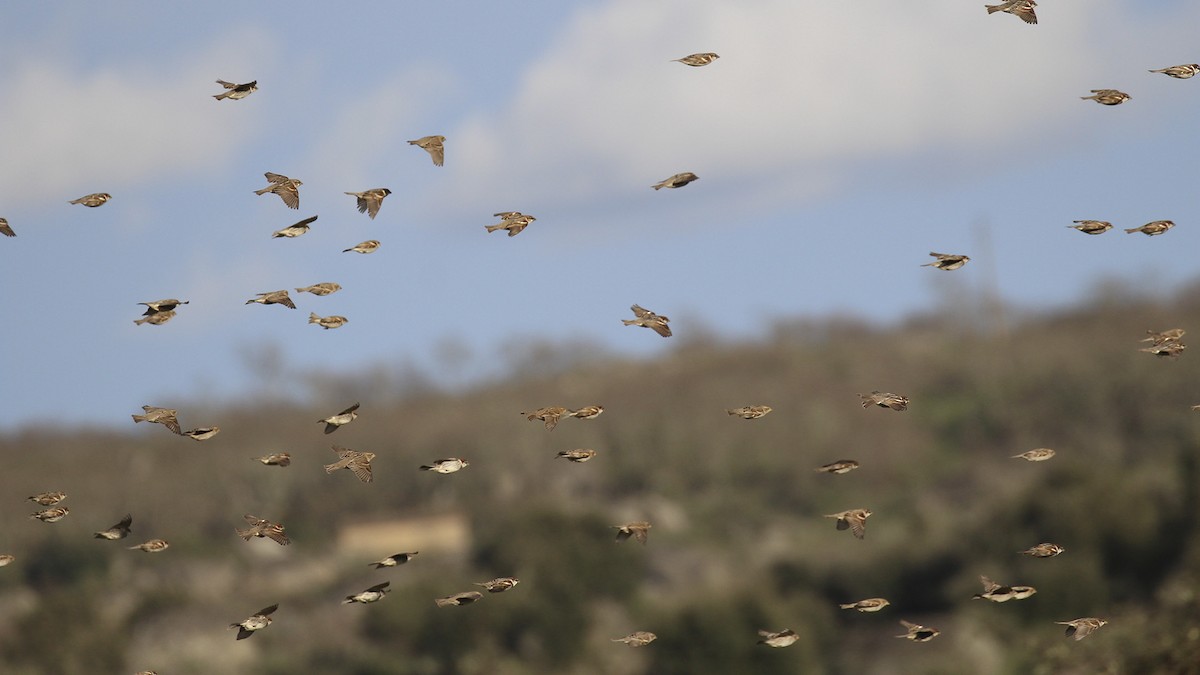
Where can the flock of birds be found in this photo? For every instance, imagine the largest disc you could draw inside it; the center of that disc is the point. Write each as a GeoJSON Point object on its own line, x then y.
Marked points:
{"type": "Point", "coordinates": [370, 201]}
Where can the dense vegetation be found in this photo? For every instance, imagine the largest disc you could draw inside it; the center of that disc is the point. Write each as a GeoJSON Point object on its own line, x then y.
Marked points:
{"type": "Point", "coordinates": [738, 540]}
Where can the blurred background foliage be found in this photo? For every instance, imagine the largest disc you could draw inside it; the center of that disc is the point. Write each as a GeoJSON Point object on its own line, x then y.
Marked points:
{"type": "Point", "coordinates": [738, 540]}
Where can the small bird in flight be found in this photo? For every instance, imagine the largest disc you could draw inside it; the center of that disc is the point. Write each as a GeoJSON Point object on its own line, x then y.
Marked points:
{"type": "Point", "coordinates": [168, 417]}
{"type": "Point", "coordinates": [1036, 455]}
{"type": "Point", "coordinates": [51, 515]}
{"type": "Point", "coordinates": [1081, 628]}
{"type": "Point", "coordinates": [1091, 226]}
{"type": "Point", "coordinates": [275, 459]}
{"type": "Point", "coordinates": [917, 632]}
{"type": "Point", "coordinates": [1152, 228]}
{"type": "Point", "coordinates": [676, 181]}
{"type": "Point", "coordinates": [513, 221]}
{"type": "Point", "coordinates": [577, 456]}
{"type": "Point", "coordinates": [782, 638]}
{"type": "Point", "coordinates": [324, 288]}
{"type": "Point", "coordinates": [369, 201]}
{"type": "Point", "coordinates": [368, 246]}
{"type": "Point", "coordinates": [1044, 550]}
{"type": "Point", "coordinates": [394, 560]}
{"type": "Point", "coordinates": [447, 465]}
{"type": "Point", "coordinates": [93, 200]}
{"type": "Point", "coordinates": [257, 621]}
{"type": "Point", "coordinates": [639, 530]}
{"type": "Point", "coordinates": [499, 584]}
{"type": "Point", "coordinates": [372, 594]}
{"type": "Point", "coordinates": [236, 91]}
{"type": "Point", "coordinates": [292, 231]}
{"type": "Point", "coordinates": [1180, 72]}
{"type": "Point", "coordinates": [459, 599]}
{"type": "Point", "coordinates": [288, 189]}
{"type": "Point", "coordinates": [434, 145]}
{"type": "Point", "coordinates": [947, 261]}
{"type": "Point", "coordinates": [202, 433]}
{"type": "Point", "coordinates": [261, 527]}
{"type": "Point", "coordinates": [1018, 8]}
{"type": "Point", "coordinates": [750, 412]}
{"type": "Point", "coordinates": [854, 519]}
{"type": "Point", "coordinates": [165, 305]}
{"type": "Point", "coordinates": [884, 399]}
{"type": "Point", "coordinates": [274, 298]}
{"type": "Point", "coordinates": [1107, 96]}
{"type": "Point", "coordinates": [840, 466]}
{"type": "Point", "coordinates": [867, 605]}
{"type": "Point", "coordinates": [548, 415]}
{"type": "Point", "coordinates": [152, 546]}
{"type": "Point", "coordinates": [639, 638]}
{"type": "Point", "coordinates": [697, 60]}
{"type": "Point", "coordinates": [118, 531]}
{"type": "Point", "coordinates": [358, 463]}
{"type": "Point", "coordinates": [5, 229]}
{"type": "Point", "coordinates": [327, 322]}
{"type": "Point", "coordinates": [345, 417]}
{"type": "Point", "coordinates": [587, 412]}
{"type": "Point", "coordinates": [155, 319]}
{"type": "Point", "coordinates": [997, 593]}
{"type": "Point", "coordinates": [647, 319]}
{"type": "Point", "coordinates": [48, 498]}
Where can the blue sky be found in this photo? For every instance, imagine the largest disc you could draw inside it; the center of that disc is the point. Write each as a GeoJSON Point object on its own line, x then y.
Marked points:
{"type": "Point", "coordinates": [837, 144]}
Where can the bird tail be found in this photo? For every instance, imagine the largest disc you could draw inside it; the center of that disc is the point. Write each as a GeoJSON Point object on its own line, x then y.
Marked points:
{"type": "Point", "coordinates": [992, 9]}
{"type": "Point", "coordinates": [847, 606]}
{"type": "Point", "coordinates": [224, 94]}
{"type": "Point", "coordinates": [629, 322]}
{"type": "Point", "coordinates": [138, 418]}
{"type": "Point", "coordinates": [442, 602]}
{"type": "Point", "coordinates": [245, 535]}
{"type": "Point", "coordinates": [330, 468]}
{"type": "Point", "coordinates": [138, 322]}
{"type": "Point", "coordinates": [427, 467]}
{"type": "Point", "coordinates": [1132, 230]}
{"type": "Point", "coordinates": [493, 228]}
{"type": "Point", "coordinates": [656, 187]}
{"type": "Point", "coordinates": [313, 318]}
{"type": "Point", "coordinates": [348, 600]}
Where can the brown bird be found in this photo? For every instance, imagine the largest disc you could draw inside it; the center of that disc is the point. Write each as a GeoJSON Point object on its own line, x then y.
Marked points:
{"type": "Point", "coordinates": [997, 593]}
{"type": "Point", "coordinates": [257, 621]}
{"type": "Point", "coordinates": [1180, 72]}
{"type": "Point", "coordinates": [549, 415]}
{"type": "Point", "coordinates": [5, 229]}
{"type": "Point", "coordinates": [51, 515]}
{"type": "Point", "coordinates": [1152, 228]}
{"type": "Point", "coordinates": [577, 455]}
{"type": "Point", "coordinates": [587, 412]}
{"type": "Point", "coordinates": [1091, 226]}
{"type": "Point", "coordinates": [676, 181]}
{"type": "Point", "coordinates": [324, 288]}
{"type": "Point", "coordinates": [647, 319]}
{"type": "Point", "coordinates": [499, 584]}
{"type": "Point", "coordinates": [369, 201]}
{"type": "Point", "coordinates": [1107, 96]}
{"type": "Point", "coordinates": [359, 463]}
{"type": "Point", "coordinates": [1081, 628]}
{"type": "Point", "coordinates": [840, 466]}
{"type": "Point", "coordinates": [750, 412]}
{"type": "Point", "coordinates": [368, 246]}
{"type": "Point", "coordinates": [261, 527]}
{"type": "Point", "coordinates": [868, 605]}
{"type": "Point", "coordinates": [48, 498]}
{"type": "Point", "coordinates": [513, 221]}
{"type": "Point", "coordinates": [1035, 455]}
{"type": "Point", "coordinates": [394, 560]}
{"type": "Point", "coordinates": [1023, 9]}
{"type": "Point", "coordinates": [884, 399]}
{"type": "Point", "coordinates": [6, 559]}
{"type": "Point", "coordinates": [152, 546]}
{"type": "Point", "coordinates": [459, 599]}
{"type": "Point", "coordinates": [1044, 550]}
{"type": "Point", "coordinates": [118, 531]}
{"type": "Point", "coordinates": [274, 298]}
{"type": "Point", "coordinates": [275, 459]}
{"type": "Point", "coordinates": [947, 261]}
{"type": "Point", "coordinates": [639, 530]}
{"type": "Point", "coordinates": [434, 145]}
{"type": "Point", "coordinates": [328, 322]}
{"type": "Point", "coordinates": [372, 594]}
{"type": "Point", "coordinates": [345, 417]}
{"type": "Point", "coordinates": [156, 319]}
{"type": "Point", "coordinates": [917, 632]}
{"type": "Point", "coordinates": [854, 519]}
{"type": "Point", "coordinates": [294, 230]}
{"type": "Point", "coordinates": [1168, 348]}
{"type": "Point", "coordinates": [93, 200]}
{"type": "Point", "coordinates": [288, 189]}
{"type": "Point", "coordinates": [236, 91]}
{"type": "Point", "coordinates": [639, 638]}
{"type": "Point", "coordinates": [164, 305]}
{"type": "Point", "coordinates": [783, 638]}
{"type": "Point", "coordinates": [697, 60]}
{"type": "Point", "coordinates": [167, 417]}
{"type": "Point", "coordinates": [1173, 334]}
{"type": "Point", "coordinates": [202, 433]}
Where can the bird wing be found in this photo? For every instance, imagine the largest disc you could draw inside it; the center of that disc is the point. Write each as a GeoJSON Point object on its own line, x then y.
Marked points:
{"type": "Point", "coordinates": [379, 587]}
{"type": "Point", "coordinates": [361, 468]}
{"type": "Point", "coordinates": [661, 328]}
{"type": "Point", "coordinates": [5, 229]}
{"type": "Point", "coordinates": [276, 177]}
{"type": "Point", "coordinates": [306, 221]}
{"type": "Point", "coordinates": [858, 525]}
{"type": "Point", "coordinates": [349, 410]}
{"type": "Point", "coordinates": [289, 193]}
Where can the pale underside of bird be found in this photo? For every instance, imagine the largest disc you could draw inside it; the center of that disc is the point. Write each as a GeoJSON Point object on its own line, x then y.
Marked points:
{"type": "Point", "coordinates": [168, 417]}
{"type": "Point", "coordinates": [52, 515]}
{"type": "Point", "coordinates": [1081, 628]}
{"type": "Point", "coordinates": [6, 559]}
{"type": "Point", "coordinates": [647, 319]}
{"type": "Point", "coordinates": [1107, 96]}
{"type": "Point", "coordinates": [840, 466]}
{"type": "Point", "coordinates": [364, 247]}
{"type": "Point", "coordinates": [202, 433]}
{"type": "Point", "coordinates": [261, 527]}
{"type": "Point", "coordinates": [1046, 550]}
{"type": "Point", "coordinates": [369, 201]}
{"type": "Point", "coordinates": [275, 459]}
{"type": "Point", "coordinates": [118, 531]}
{"type": "Point", "coordinates": [855, 520]}
{"type": "Point", "coordinates": [1091, 226]}
{"type": "Point", "coordinates": [459, 599]}
{"type": "Point", "coordinates": [947, 261]}
{"type": "Point", "coordinates": [279, 297]}
{"type": "Point", "coordinates": [750, 412]}
{"type": "Point", "coordinates": [1181, 72]}
{"type": "Point", "coordinates": [512, 221]}
{"type": "Point", "coordinates": [358, 463]}
{"type": "Point", "coordinates": [447, 465]}
{"type": "Point", "coordinates": [781, 638]}
{"type": "Point", "coordinates": [697, 60]}
{"type": "Point", "coordinates": [434, 145]}
{"type": "Point", "coordinates": [48, 498]}
{"type": "Point", "coordinates": [866, 605]}
{"type": "Point", "coordinates": [333, 422]}
{"type": "Point", "coordinates": [676, 181]}
{"type": "Point", "coordinates": [548, 415]}
{"type": "Point", "coordinates": [152, 546]}
{"type": "Point", "coordinates": [1036, 455]}
{"type": "Point", "coordinates": [236, 91]}
{"type": "Point", "coordinates": [639, 530]}
{"type": "Point", "coordinates": [372, 594]}
{"type": "Point", "coordinates": [394, 560]}
{"type": "Point", "coordinates": [156, 319]}
{"type": "Point", "coordinates": [6, 229]}
{"type": "Point", "coordinates": [1153, 228]}
{"type": "Point", "coordinates": [577, 455]}
{"type": "Point", "coordinates": [257, 621]}
{"type": "Point", "coordinates": [1022, 9]}
{"type": "Point", "coordinates": [288, 189]}
{"type": "Point", "coordinates": [917, 632]}
{"type": "Point", "coordinates": [587, 412]}
{"type": "Point", "coordinates": [93, 200]}
{"type": "Point", "coordinates": [328, 322]}
{"type": "Point", "coordinates": [639, 638]}
{"type": "Point", "coordinates": [499, 584]}
{"type": "Point", "coordinates": [884, 399]}
{"type": "Point", "coordinates": [294, 230]}
{"type": "Point", "coordinates": [323, 288]}
{"type": "Point", "coordinates": [995, 592]}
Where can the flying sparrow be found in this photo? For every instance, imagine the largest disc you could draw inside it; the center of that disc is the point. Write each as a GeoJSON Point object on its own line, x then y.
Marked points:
{"type": "Point", "coordinates": [368, 246]}
{"type": "Point", "coordinates": [257, 621]}
{"type": "Point", "coordinates": [783, 638]}
{"type": "Point", "coordinates": [275, 459]}
{"type": "Point", "coordinates": [372, 594]}
{"type": "Point", "coordinates": [750, 412]}
{"type": "Point", "coordinates": [394, 560]}
{"type": "Point", "coordinates": [118, 531]}
{"type": "Point", "coordinates": [639, 530]}
{"type": "Point", "coordinates": [167, 417]}
{"type": "Point", "coordinates": [51, 515]}
{"type": "Point", "coordinates": [1152, 228]}
{"type": "Point", "coordinates": [1180, 72]}
{"type": "Point", "coordinates": [93, 200]}
{"type": "Point", "coordinates": [1018, 8]}
{"type": "Point", "coordinates": [499, 584]}
{"type": "Point", "coordinates": [647, 319]}
{"type": "Point", "coordinates": [155, 319]}
{"type": "Point", "coordinates": [1081, 628]}
{"type": "Point", "coordinates": [868, 605]}
{"type": "Point", "coordinates": [587, 412]}
{"type": "Point", "coordinates": [369, 201]}
{"type": "Point", "coordinates": [549, 415]}
{"type": "Point", "coordinates": [1091, 226]}
{"type": "Point", "coordinates": [1035, 455]}
{"type": "Point", "coordinates": [288, 189]}
{"type": "Point", "coordinates": [261, 527]}
{"type": "Point", "coordinates": [274, 298]}
{"type": "Point", "coordinates": [947, 261]}
{"type": "Point", "coordinates": [345, 417]}
{"type": "Point", "coordinates": [48, 498]}
{"type": "Point", "coordinates": [295, 230]}
{"type": "Point", "coordinates": [5, 229]}
{"type": "Point", "coordinates": [359, 463]}
{"type": "Point", "coordinates": [676, 181]}
{"type": "Point", "coordinates": [202, 433]}
{"type": "Point", "coordinates": [459, 599]}
{"type": "Point", "coordinates": [327, 322]}
{"type": "Point", "coordinates": [1107, 96]}
{"type": "Point", "coordinates": [996, 593]}
{"type": "Point", "coordinates": [1172, 334]}
{"type": "Point", "coordinates": [577, 455]}
{"type": "Point", "coordinates": [884, 399]}
{"type": "Point", "coordinates": [1044, 550]}
{"type": "Point", "coordinates": [434, 145]}
{"type": "Point", "coordinates": [697, 60]}
{"type": "Point", "coordinates": [639, 638]}
{"type": "Point", "coordinates": [6, 559]}
{"type": "Point", "coordinates": [1167, 348]}
{"type": "Point", "coordinates": [236, 91]}
{"type": "Point", "coordinates": [514, 222]}
{"type": "Point", "coordinates": [840, 466]}
{"type": "Point", "coordinates": [854, 519]}
{"type": "Point", "coordinates": [152, 546]}
{"type": "Point", "coordinates": [917, 632]}
{"type": "Point", "coordinates": [324, 288]}
{"type": "Point", "coordinates": [447, 465]}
